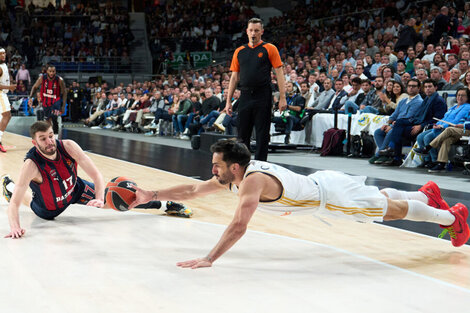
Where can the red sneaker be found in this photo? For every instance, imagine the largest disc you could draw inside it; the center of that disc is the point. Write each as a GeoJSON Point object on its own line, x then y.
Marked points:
{"type": "Point", "coordinates": [459, 231]}
{"type": "Point", "coordinates": [2, 149]}
{"type": "Point", "coordinates": [432, 191]}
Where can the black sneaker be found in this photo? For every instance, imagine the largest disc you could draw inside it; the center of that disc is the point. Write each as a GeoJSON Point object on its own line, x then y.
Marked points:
{"type": "Point", "coordinates": [439, 167]}
{"type": "Point", "coordinates": [178, 209]}
{"type": "Point", "coordinates": [421, 151]}
{"type": "Point", "coordinates": [5, 180]}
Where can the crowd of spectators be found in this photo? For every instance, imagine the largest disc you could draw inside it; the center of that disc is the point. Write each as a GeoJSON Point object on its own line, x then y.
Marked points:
{"type": "Point", "coordinates": [391, 62]}
{"type": "Point", "coordinates": [88, 31]}
{"type": "Point", "coordinates": [172, 27]}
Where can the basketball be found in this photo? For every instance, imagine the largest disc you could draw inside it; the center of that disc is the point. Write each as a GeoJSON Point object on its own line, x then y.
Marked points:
{"type": "Point", "coordinates": [120, 193]}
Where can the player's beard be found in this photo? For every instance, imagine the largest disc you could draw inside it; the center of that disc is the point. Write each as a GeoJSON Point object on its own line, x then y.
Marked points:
{"type": "Point", "coordinates": [48, 150]}
{"type": "Point", "coordinates": [226, 178]}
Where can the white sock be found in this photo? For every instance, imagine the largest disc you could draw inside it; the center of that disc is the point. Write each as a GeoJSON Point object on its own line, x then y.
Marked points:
{"type": "Point", "coordinates": [10, 187]}
{"type": "Point", "coordinates": [395, 194]}
{"type": "Point", "coordinates": [1, 134]}
{"type": "Point", "coordinates": [420, 212]}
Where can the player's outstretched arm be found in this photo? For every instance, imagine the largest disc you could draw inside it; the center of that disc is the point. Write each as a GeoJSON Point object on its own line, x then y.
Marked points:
{"type": "Point", "coordinates": [250, 191]}
{"type": "Point", "coordinates": [28, 172]}
{"type": "Point", "coordinates": [90, 168]}
{"type": "Point", "coordinates": [177, 193]}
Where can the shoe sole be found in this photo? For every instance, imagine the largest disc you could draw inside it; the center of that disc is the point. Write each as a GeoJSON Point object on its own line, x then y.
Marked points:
{"type": "Point", "coordinates": [4, 190]}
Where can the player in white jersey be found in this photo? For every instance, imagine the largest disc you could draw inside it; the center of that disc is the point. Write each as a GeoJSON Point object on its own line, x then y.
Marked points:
{"type": "Point", "coordinates": [5, 86]}
{"type": "Point", "coordinates": [278, 190]}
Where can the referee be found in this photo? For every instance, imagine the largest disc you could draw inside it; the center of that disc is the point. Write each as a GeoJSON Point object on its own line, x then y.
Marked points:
{"type": "Point", "coordinates": [251, 66]}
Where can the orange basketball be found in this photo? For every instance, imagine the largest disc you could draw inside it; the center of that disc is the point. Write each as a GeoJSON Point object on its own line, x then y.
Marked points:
{"type": "Point", "coordinates": [120, 193]}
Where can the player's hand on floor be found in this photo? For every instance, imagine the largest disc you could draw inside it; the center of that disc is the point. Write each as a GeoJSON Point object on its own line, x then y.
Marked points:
{"type": "Point", "coordinates": [96, 203]}
{"type": "Point", "coordinates": [196, 263]}
{"type": "Point", "coordinates": [141, 196]}
{"type": "Point", "coordinates": [16, 233]}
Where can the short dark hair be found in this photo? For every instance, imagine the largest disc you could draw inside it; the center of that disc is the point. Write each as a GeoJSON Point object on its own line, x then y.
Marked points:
{"type": "Point", "coordinates": [429, 80]}
{"type": "Point", "coordinates": [366, 81]}
{"type": "Point", "coordinates": [255, 20]}
{"type": "Point", "coordinates": [40, 126]}
{"type": "Point", "coordinates": [414, 80]}
{"type": "Point", "coordinates": [356, 80]}
{"type": "Point", "coordinates": [233, 151]}
{"type": "Point", "coordinates": [467, 91]}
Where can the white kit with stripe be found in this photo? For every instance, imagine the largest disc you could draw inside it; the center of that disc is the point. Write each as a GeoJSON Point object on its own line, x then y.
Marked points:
{"type": "Point", "coordinates": [329, 193]}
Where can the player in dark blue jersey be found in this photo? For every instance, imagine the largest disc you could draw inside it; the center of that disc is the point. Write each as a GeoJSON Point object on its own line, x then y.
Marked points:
{"type": "Point", "coordinates": [50, 170]}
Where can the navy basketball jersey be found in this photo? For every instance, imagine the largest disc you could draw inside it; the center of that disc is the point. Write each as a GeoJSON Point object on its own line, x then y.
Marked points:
{"type": "Point", "coordinates": [59, 178]}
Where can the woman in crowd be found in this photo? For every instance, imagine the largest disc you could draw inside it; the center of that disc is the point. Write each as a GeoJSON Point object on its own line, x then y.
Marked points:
{"type": "Point", "coordinates": [394, 93]}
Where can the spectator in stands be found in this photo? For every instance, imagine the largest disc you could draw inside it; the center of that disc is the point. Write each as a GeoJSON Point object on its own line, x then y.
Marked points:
{"type": "Point", "coordinates": [406, 111]}
{"type": "Point", "coordinates": [445, 70]}
{"type": "Point", "coordinates": [292, 115]}
{"type": "Point", "coordinates": [97, 110]}
{"type": "Point", "coordinates": [210, 110]}
{"type": "Point", "coordinates": [407, 36]}
{"type": "Point", "coordinates": [195, 112]}
{"type": "Point", "coordinates": [374, 67]}
{"type": "Point", "coordinates": [430, 53]}
{"type": "Point", "coordinates": [182, 111]}
{"type": "Point", "coordinates": [443, 142]}
{"type": "Point", "coordinates": [320, 104]}
{"type": "Point", "coordinates": [441, 24]}
{"type": "Point", "coordinates": [23, 75]}
{"type": "Point", "coordinates": [231, 121]}
{"type": "Point", "coordinates": [335, 100]}
{"type": "Point", "coordinates": [454, 115]}
{"type": "Point", "coordinates": [391, 98]}
{"type": "Point", "coordinates": [436, 75]}
{"type": "Point", "coordinates": [421, 75]}
{"type": "Point", "coordinates": [454, 82]}
{"type": "Point", "coordinates": [354, 98]}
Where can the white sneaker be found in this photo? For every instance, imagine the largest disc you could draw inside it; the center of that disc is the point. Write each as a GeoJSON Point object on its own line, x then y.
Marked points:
{"type": "Point", "coordinates": [108, 126]}
{"type": "Point", "coordinates": [186, 131]}
{"type": "Point", "coordinates": [95, 127]}
{"type": "Point", "coordinates": [150, 126]}
{"type": "Point", "coordinates": [184, 137]}
{"type": "Point", "coordinates": [219, 127]}
{"type": "Point", "coordinates": [128, 125]}
{"type": "Point", "coordinates": [150, 133]}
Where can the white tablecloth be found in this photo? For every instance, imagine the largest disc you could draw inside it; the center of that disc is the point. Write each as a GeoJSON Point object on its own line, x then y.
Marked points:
{"type": "Point", "coordinates": [324, 121]}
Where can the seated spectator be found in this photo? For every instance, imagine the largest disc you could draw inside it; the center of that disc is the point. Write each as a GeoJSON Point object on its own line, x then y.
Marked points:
{"type": "Point", "coordinates": [230, 122]}
{"type": "Point", "coordinates": [162, 113]}
{"type": "Point", "coordinates": [436, 75]}
{"type": "Point", "coordinates": [292, 115]}
{"type": "Point", "coordinates": [454, 115]}
{"type": "Point", "coordinates": [392, 98]}
{"type": "Point", "coordinates": [321, 103]}
{"type": "Point", "coordinates": [454, 82]}
{"type": "Point", "coordinates": [335, 100]}
{"type": "Point", "coordinates": [195, 112]}
{"type": "Point", "coordinates": [354, 97]}
{"type": "Point", "coordinates": [466, 80]}
{"type": "Point", "coordinates": [406, 110]}
{"type": "Point", "coordinates": [210, 110]}
{"type": "Point", "coordinates": [443, 142]}
{"type": "Point", "coordinates": [184, 106]}
{"type": "Point", "coordinates": [113, 109]}
{"type": "Point", "coordinates": [97, 110]}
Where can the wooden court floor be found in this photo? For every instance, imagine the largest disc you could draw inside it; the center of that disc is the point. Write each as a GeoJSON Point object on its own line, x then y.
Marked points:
{"type": "Point", "coordinates": [414, 253]}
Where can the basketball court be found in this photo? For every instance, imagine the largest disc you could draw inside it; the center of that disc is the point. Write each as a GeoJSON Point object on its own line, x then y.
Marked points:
{"type": "Point", "coordinates": [98, 260]}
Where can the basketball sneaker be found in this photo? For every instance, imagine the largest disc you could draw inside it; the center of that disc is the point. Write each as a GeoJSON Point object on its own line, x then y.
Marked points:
{"type": "Point", "coordinates": [2, 148]}
{"type": "Point", "coordinates": [5, 180]}
{"type": "Point", "coordinates": [459, 231]}
{"type": "Point", "coordinates": [178, 209]}
{"type": "Point", "coordinates": [432, 191]}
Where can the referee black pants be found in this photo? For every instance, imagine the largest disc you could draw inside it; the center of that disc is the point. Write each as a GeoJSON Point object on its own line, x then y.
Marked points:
{"type": "Point", "coordinates": [254, 109]}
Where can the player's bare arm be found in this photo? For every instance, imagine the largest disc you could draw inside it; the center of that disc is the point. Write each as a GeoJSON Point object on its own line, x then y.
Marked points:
{"type": "Point", "coordinates": [64, 93]}
{"type": "Point", "coordinates": [90, 168]}
{"type": "Point", "coordinates": [29, 172]}
{"type": "Point", "coordinates": [251, 189]}
{"type": "Point", "coordinates": [35, 86]}
{"type": "Point", "coordinates": [178, 193]}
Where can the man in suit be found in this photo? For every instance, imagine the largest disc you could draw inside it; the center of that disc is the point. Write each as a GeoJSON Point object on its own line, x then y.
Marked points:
{"type": "Point", "coordinates": [335, 102]}
{"type": "Point", "coordinates": [432, 106]}
{"type": "Point", "coordinates": [407, 110]}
